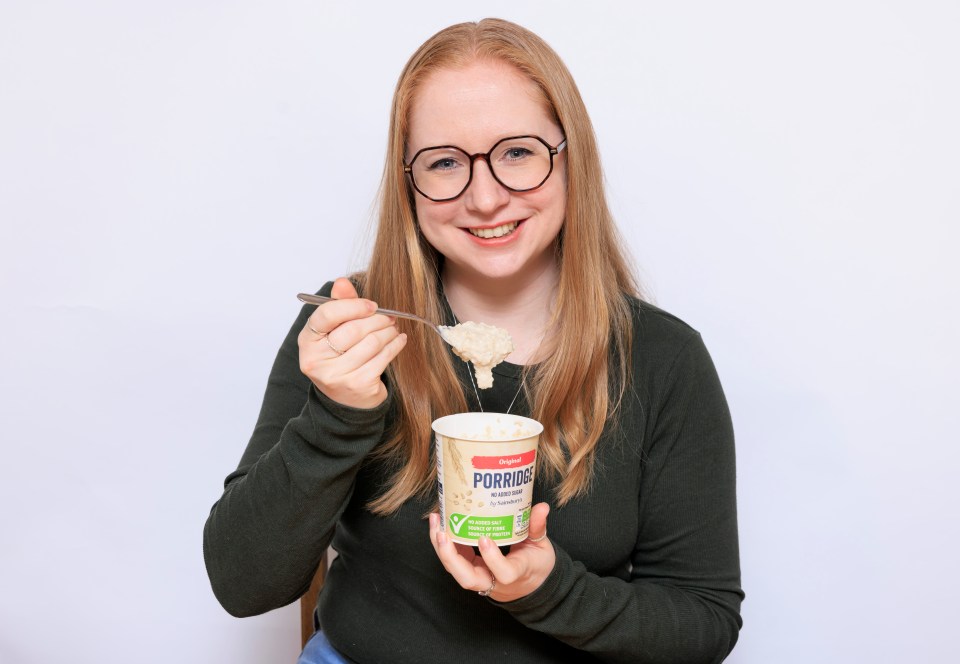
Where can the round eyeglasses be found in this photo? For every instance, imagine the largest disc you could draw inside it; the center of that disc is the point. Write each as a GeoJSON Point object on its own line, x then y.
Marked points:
{"type": "Point", "coordinates": [519, 163]}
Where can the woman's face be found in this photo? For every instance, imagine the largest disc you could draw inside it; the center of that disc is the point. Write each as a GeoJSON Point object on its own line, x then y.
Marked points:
{"type": "Point", "coordinates": [473, 108]}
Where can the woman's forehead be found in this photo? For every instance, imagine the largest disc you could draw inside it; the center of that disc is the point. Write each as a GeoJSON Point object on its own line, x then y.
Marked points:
{"type": "Point", "coordinates": [479, 103]}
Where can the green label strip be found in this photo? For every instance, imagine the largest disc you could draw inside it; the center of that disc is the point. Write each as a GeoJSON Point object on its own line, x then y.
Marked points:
{"type": "Point", "coordinates": [475, 527]}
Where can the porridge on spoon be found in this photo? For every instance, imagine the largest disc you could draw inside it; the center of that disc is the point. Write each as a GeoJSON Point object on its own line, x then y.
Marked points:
{"type": "Point", "coordinates": [484, 345]}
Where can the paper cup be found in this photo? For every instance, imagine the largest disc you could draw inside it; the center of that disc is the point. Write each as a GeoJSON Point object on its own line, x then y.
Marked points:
{"type": "Point", "coordinates": [485, 464]}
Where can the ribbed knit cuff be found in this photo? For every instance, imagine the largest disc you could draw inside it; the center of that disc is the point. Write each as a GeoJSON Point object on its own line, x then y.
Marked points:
{"type": "Point", "coordinates": [338, 428]}
{"type": "Point", "coordinates": [349, 414]}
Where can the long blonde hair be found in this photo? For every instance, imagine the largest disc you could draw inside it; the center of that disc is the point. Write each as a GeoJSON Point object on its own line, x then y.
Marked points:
{"type": "Point", "coordinates": [579, 386]}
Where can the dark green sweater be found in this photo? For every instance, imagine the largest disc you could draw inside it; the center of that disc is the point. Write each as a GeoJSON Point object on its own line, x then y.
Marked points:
{"type": "Point", "coordinates": [647, 564]}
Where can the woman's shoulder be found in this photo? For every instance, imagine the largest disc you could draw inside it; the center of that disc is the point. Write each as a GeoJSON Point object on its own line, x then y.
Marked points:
{"type": "Point", "coordinates": [651, 323]}
{"type": "Point", "coordinates": [661, 339]}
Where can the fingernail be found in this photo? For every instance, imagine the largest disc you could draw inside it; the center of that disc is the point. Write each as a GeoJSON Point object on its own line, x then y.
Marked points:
{"type": "Point", "coordinates": [434, 521]}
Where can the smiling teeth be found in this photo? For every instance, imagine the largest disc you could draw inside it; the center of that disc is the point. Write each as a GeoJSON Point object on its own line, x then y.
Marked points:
{"type": "Point", "coordinates": [499, 231]}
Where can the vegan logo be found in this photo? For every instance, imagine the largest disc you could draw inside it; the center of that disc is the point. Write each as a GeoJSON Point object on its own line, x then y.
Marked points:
{"type": "Point", "coordinates": [457, 521]}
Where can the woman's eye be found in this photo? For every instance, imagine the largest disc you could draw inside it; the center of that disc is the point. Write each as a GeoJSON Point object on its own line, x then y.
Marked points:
{"type": "Point", "coordinates": [444, 164]}
{"type": "Point", "coordinates": [517, 153]}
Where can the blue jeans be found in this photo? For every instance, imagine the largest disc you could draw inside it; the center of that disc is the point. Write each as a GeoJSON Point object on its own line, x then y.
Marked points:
{"type": "Point", "coordinates": [319, 651]}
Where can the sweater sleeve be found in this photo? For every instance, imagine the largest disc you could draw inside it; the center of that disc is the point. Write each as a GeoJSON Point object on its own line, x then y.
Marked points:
{"type": "Point", "coordinates": [264, 538]}
{"type": "Point", "coordinates": [682, 599]}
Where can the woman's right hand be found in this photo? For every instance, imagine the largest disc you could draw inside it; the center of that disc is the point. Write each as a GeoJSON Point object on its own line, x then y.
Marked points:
{"type": "Point", "coordinates": [345, 347]}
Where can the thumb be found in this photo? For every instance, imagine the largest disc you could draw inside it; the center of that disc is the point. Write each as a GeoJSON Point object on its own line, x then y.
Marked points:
{"type": "Point", "coordinates": [538, 521]}
{"type": "Point", "coordinates": [343, 289]}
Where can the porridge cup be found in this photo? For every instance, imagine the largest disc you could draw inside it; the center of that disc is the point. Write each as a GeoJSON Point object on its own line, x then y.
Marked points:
{"type": "Point", "coordinates": [485, 464]}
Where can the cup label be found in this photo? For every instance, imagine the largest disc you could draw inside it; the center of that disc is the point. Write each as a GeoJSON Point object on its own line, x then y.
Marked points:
{"type": "Point", "coordinates": [485, 473]}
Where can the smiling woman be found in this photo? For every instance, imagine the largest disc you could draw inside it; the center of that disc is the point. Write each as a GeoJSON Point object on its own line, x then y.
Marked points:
{"type": "Point", "coordinates": [491, 209]}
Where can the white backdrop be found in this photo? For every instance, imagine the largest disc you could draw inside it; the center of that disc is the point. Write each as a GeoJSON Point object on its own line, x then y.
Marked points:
{"type": "Point", "coordinates": [172, 173]}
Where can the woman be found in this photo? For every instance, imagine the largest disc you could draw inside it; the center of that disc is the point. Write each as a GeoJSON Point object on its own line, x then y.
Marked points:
{"type": "Point", "coordinates": [492, 209]}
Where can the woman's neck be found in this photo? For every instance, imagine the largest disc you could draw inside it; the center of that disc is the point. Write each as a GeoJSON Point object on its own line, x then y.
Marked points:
{"type": "Point", "coordinates": [521, 306]}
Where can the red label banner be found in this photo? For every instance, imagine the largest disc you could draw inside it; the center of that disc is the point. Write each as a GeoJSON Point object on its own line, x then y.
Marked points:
{"type": "Point", "coordinates": [504, 462]}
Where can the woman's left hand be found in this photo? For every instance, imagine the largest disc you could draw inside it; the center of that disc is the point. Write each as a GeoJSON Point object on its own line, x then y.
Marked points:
{"type": "Point", "coordinates": [502, 578]}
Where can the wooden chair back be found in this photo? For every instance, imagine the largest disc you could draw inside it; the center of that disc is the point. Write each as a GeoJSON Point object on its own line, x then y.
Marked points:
{"type": "Point", "coordinates": [309, 602]}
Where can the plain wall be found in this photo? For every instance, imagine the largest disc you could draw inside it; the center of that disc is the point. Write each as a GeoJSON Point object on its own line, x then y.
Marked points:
{"type": "Point", "coordinates": [172, 174]}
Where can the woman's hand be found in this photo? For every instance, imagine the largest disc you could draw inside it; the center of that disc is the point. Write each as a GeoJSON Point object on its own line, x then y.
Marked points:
{"type": "Point", "coordinates": [345, 347]}
{"type": "Point", "coordinates": [502, 578]}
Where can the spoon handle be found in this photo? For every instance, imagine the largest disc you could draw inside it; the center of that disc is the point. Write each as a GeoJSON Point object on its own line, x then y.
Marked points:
{"type": "Point", "coordinates": [320, 299]}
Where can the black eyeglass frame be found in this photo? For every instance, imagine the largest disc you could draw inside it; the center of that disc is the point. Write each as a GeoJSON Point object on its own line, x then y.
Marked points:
{"type": "Point", "coordinates": [554, 150]}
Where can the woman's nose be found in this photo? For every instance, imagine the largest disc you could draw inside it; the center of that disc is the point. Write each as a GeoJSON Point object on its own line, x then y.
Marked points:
{"type": "Point", "coordinates": [485, 194]}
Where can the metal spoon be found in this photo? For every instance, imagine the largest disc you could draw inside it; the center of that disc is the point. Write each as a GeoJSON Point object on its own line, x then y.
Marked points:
{"type": "Point", "coordinates": [320, 299]}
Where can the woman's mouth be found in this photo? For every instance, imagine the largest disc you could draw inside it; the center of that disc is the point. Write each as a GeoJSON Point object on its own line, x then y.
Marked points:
{"type": "Point", "coordinates": [496, 231]}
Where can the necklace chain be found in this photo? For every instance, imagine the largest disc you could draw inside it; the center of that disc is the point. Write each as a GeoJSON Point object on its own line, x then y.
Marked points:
{"type": "Point", "coordinates": [477, 393]}
{"type": "Point", "coordinates": [473, 383]}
